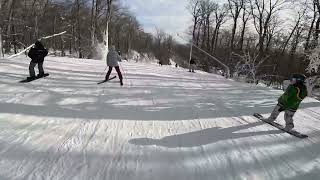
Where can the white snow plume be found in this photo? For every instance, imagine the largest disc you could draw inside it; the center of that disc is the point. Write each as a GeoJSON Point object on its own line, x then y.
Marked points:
{"type": "Point", "coordinates": [100, 52]}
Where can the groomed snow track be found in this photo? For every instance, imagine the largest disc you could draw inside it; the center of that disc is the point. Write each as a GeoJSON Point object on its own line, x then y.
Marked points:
{"type": "Point", "coordinates": [164, 124]}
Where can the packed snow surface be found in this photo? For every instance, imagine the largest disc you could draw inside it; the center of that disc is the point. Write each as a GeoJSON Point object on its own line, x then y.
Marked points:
{"type": "Point", "coordinates": [163, 124]}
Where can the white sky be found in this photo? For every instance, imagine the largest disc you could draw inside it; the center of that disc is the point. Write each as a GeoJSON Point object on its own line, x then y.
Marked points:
{"type": "Point", "coordinates": [172, 16]}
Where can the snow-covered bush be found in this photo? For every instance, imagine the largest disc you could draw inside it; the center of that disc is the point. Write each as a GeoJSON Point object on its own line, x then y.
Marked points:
{"type": "Point", "coordinates": [248, 66]}
{"type": "Point", "coordinates": [314, 60]}
{"type": "Point", "coordinates": [314, 63]}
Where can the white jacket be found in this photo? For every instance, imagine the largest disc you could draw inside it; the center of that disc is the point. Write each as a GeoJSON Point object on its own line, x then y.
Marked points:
{"type": "Point", "coordinates": [113, 58]}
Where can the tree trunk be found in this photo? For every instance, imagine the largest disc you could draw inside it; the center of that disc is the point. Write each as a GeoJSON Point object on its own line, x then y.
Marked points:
{"type": "Point", "coordinates": [106, 32]}
{"type": "Point", "coordinates": [269, 38]}
{"type": "Point", "coordinates": [1, 47]}
{"type": "Point", "coordinates": [14, 42]}
{"type": "Point", "coordinates": [208, 32]}
{"type": "Point", "coordinates": [244, 25]}
{"type": "Point", "coordinates": [213, 40]}
{"type": "Point", "coordinates": [316, 34]}
{"type": "Point", "coordinates": [194, 28]}
{"type": "Point", "coordinates": [198, 34]}
{"type": "Point", "coordinates": [72, 42]}
{"type": "Point", "coordinates": [295, 41]}
{"type": "Point", "coordinates": [204, 34]}
{"type": "Point", "coordinates": [9, 27]}
{"type": "Point", "coordinates": [290, 36]}
{"type": "Point", "coordinates": [93, 25]}
{"type": "Point", "coordinates": [54, 31]}
{"type": "Point", "coordinates": [79, 29]}
{"type": "Point", "coordinates": [260, 36]}
{"type": "Point", "coordinates": [310, 29]}
{"type": "Point", "coordinates": [97, 11]}
{"type": "Point", "coordinates": [234, 28]}
{"type": "Point", "coordinates": [36, 28]}
{"type": "Point", "coordinates": [62, 47]}
{"type": "Point", "coordinates": [216, 37]}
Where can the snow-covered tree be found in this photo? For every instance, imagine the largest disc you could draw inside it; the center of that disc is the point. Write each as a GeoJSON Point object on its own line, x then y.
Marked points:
{"type": "Point", "coordinates": [314, 63]}
{"type": "Point", "coordinates": [314, 58]}
{"type": "Point", "coordinates": [248, 65]}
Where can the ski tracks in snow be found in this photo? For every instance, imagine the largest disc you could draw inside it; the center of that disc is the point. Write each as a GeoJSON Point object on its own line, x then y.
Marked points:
{"type": "Point", "coordinates": [165, 123]}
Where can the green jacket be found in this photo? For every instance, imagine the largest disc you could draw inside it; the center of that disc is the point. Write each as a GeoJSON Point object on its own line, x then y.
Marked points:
{"type": "Point", "coordinates": [293, 96]}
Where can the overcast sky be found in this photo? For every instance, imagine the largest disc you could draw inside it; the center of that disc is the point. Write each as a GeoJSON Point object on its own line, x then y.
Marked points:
{"type": "Point", "coordinates": [171, 16]}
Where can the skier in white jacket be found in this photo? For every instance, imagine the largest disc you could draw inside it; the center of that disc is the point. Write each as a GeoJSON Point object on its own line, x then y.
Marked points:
{"type": "Point", "coordinates": [113, 59]}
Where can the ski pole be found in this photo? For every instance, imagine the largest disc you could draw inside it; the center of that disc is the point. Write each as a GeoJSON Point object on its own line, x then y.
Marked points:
{"type": "Point", "coordinates": [103, 71]}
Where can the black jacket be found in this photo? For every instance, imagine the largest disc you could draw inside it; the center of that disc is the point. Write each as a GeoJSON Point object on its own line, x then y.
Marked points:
{"type": "Point", "coordinates": [192, 61]}
{"type": "Point", "coordinates": [37, 54]}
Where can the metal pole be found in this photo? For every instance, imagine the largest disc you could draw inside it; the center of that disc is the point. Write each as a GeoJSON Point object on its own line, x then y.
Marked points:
{"type": "Point", "coordinates": [191, 47]}
{"type": "Point", "coordinates": [226, 67]}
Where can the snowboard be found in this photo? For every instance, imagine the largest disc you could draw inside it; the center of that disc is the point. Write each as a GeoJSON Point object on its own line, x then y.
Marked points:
{"type": "Point", "coordinates": [279, 126]}
{"type": "Point", "coordinates": [101, 82]}
{"type": "Point", "coordinates": [37, 77]}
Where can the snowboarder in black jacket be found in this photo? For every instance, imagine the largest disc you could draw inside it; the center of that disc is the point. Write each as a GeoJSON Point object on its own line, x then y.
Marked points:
{"type": "Point", "coordinates": [37, 54]}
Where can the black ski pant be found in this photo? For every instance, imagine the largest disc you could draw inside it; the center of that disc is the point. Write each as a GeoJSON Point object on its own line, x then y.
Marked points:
{"type": "Point", "coordinates": [118, 71]}
{"type": "Point", "coordinates": [33, 65]}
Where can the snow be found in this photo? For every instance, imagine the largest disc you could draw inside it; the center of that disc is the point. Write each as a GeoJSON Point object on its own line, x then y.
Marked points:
{"type": "Point", "coordinates": [165, 123]}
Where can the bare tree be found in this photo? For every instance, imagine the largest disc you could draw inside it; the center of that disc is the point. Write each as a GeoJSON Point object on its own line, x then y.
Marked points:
{"type": "Point", "coordinates": [1, 24]}
{"type": "Point", "coordinates": [93, 23]}
{"type": "Point", "coordinates": [10, 27]}
{"type": "Point", "coordinates": [199, 31]}
{"type": "Point", "coordinates": [235, 8]}
{"type": "Point", "coordinates": [204, 7]}
{"type": "Point", "coordinates": [194, 8]}
{"type": "Point", "coordinates": [207, 8]}
{"type": "Point", "coordinates": [245, 18]}
{"type": "Point", "coordinates": [272, 30]}
{"type": "Point", "coordinates": [296, 25]}
{"type": "Point", "coordinates": [311, 28]}
{"type": "Point", "coordinates": [296, 39]}
{"type": "Point", "coordinates": [107, 21]}
{"type": "Point", "coordinates": [262, 13]}
{"type": "Point", "coordinates": [317, 26]}
{"type": "Point", "coordinates": [159, 40]}
{"type": "Point", "coordinates": [249, 65]}
{"type": "Point", "coordinates": [220, 18]}
{"type": "Point", "coordinates": [78, 22]}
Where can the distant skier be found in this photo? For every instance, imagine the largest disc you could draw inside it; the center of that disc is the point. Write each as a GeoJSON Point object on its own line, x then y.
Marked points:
{"type": "Point", "coordinates": [192, 65]}
{"type": "Point", "coordinates": [176, 65]}
{"type": "Point", "coordinates": [160, 63]}
{"type": "Point", "coordinates": [113, 59]}
{"type": "Point", "coordinates": [37, 54]}
{"type": "Point", "coordinates": [289, 102]}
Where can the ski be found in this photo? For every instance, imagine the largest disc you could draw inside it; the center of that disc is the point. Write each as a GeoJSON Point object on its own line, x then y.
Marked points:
{"type": "Point", "coordinates": [36, 78]}
{"type": "Point", "coordinates": [101, 82]}
{"type": "Point", "coordinates": [279, 126]}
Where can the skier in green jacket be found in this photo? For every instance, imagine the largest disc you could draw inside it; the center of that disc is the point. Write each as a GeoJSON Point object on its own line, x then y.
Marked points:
{"type": "Point", "coordinates": [289, 102]}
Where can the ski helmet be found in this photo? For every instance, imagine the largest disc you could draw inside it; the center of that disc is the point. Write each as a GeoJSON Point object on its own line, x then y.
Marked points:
{"type": "Point", "coordinates": [300, 78]}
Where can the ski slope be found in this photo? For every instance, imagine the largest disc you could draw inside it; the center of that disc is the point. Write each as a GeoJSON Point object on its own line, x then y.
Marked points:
{"type": "Point", "coordinates": [164, 124]}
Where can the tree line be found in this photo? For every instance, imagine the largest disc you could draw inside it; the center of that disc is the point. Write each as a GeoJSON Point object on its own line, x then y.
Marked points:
{"type": "Point", "coordinates": [281, 33]}
{"type": "Point", "coordinates": [90, 24]}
